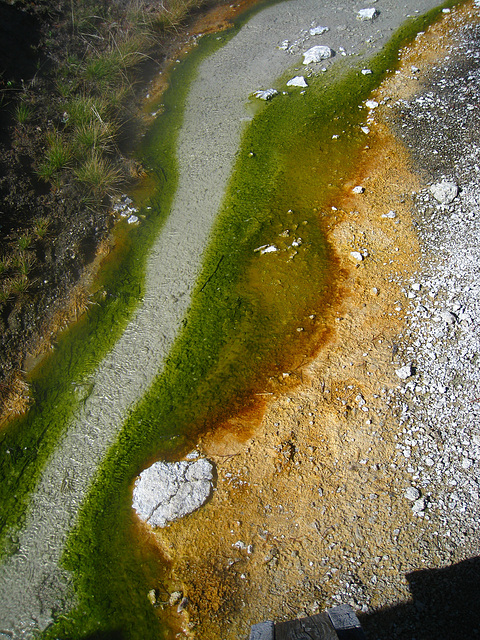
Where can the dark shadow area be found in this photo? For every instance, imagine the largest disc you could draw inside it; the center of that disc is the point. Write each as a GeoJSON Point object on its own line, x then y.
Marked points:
{"type": "Point", "coordinates": [19, 37]}
{"type": "Point", "coordinates": [445, 605]}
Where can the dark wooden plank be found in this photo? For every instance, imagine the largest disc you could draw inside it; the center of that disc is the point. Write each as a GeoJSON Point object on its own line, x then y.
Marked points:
{"type": "Point", "coordinates": [346, 623]}
{"type": "Point", "coordinates": [355, 633]}
{"type": "Point", "coordinates": [316, 627]}
{"type": "Point", "coordinates": [262, 631]}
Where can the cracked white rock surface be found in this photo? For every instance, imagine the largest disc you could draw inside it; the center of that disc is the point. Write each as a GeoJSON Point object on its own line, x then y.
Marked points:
{"type": "Point", "coordinates": [168, 491]}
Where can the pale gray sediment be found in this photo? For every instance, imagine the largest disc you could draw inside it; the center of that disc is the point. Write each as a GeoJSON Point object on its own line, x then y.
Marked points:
{"type": "Point", "coordinates": [32, 586]}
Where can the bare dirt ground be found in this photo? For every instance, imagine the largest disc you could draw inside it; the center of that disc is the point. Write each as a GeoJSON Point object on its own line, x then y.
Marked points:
{"type": "Point", "coordinates": [312, 511]}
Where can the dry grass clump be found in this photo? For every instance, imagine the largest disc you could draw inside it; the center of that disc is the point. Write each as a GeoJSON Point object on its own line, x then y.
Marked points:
{"type": "Point", "coordinates": [14, 397]}
{"type": "Point", "coordinates": [98, 176]}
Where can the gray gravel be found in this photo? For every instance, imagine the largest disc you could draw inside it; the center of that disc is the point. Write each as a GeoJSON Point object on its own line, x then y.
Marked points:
{"type": "Point", "coordinates": [438, 402]}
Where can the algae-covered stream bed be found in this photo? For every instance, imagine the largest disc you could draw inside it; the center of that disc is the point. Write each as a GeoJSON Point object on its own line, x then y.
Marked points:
{"type": "Point", "coordinates": [219, 321]}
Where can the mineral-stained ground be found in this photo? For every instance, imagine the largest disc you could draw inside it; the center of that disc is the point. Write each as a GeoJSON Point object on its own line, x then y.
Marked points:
{"type": "Point", "coordinates": [360, 484]}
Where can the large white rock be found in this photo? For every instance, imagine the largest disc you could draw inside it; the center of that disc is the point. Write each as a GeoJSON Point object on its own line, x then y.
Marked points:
{"type": "Point", "coordinates": [298, 81]}
{"type": "Point", "coordinates": [167, 491]}
{"type": "Point", "coordinates": [367, 14]}
{"type": "Point", "coordinates": [412, 494]}
{"type": "Point", "coordinates": [356, 256]}
{"type": "Point", "coordinates": [316, 54]}
{"type": "Point", "coordinates": [444, 192]}
{"type": "Point", "coordinates": [404, 372]}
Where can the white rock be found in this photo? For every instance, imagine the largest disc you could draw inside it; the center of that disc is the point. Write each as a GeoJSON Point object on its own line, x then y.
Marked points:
{"type": "Point", "coordinates": [419, 506]}
{"type": "Point", "coordinates": [284, 46]}
{"type": "Point", "coordinates": [267, 248]}
{"type": "Point", "coordinates": [239, 545]}
{"type": "Point", "coordinates": [444, 192]}
{"type": "Point", "coordinates": [356, 256]}
{"type": "Point", "coordinates": [266, 94]}
{"type": "Point", "coordinates": [404, 372]}
{"type": "Point", "coordinates": [367, 14]}
{"type": "Point", "coordinates": [371, 104]}
{"type": "Point", "coordinates": [132, 219]}
{"type": "Point", "coordinates": [167, 491]}
{"type": "Point", "coordinates": [298, 81]}
{"type": "Point", "coordinates": [358, 189]}
{"type": "Point", "coordinates": [317, 31]}
{"type": "Point", "coordinates": [391, 215]}
{"type": "Point", "coordinates": [366, 130]}
{"type": "Point", "coordinates": [447, 316]}
{"type": "Point", "coordinates": [366, 72]}
{"type": "Point", "coordinates": [360, 400]}
{"type": "Point", "coordinates": [412, 494]}
{"type": "Point", "coordinates": [316, 54]}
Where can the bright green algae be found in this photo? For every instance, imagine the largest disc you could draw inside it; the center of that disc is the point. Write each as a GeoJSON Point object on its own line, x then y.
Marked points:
{"type": "Point", "coordinates": [246, 307]}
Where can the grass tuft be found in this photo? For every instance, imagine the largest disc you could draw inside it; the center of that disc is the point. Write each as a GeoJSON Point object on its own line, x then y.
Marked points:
{"type": "Point", "coordinates": [24, 262]}
{"type": "Point", "coordinates": [105, 70]}
{"type": "Point", "coordinates": [98, 176]}
{"type": "Point", "coordinates": [5, 291]}
{"type": "Point", "coordinates": [58, 156]}
{"type": "Point", "coordinates": [23, 113]}
{"type": "Point", "coordinates": [24, 241]}
{"type": "Point", "coordinates": [5, 263]}
{"type": "Point", "coordinates": [40, 226]}
{"type": "Point", "coordinates": [95, 135]}
{"type": "Point", "coordinates": [19, 284]}
{"type": "Point", "coordinates": [82, 109]}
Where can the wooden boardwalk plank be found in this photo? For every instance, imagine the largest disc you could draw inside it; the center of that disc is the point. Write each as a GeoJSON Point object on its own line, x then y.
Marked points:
{"type": "Point", "coordinates": [346, 623]}
{"type": "Point", "coordinates": [316, 627]}
{"type": "Point", "coordinates": [263, 631]}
